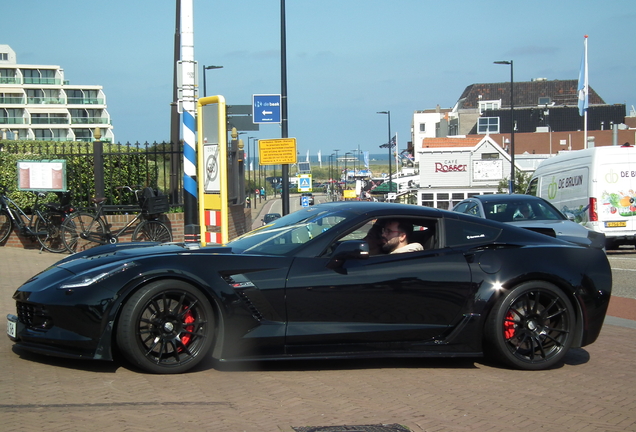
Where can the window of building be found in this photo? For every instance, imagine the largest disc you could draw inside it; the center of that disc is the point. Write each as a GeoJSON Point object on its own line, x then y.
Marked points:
{"type": "Point", "coordinates": [488, 156]}
{"type": "Point", "coordinates": [489, 105]}
{"type": "Point", "coordinates": [422, 127]}
{"type": "Point", "coordinates": [428, 200]}
{"type": "Point", "coordinates": [488, 125]}
{"type": "Point", "coordinates": [4, 56]}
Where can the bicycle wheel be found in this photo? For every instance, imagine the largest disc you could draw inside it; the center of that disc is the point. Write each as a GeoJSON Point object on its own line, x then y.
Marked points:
{"type": "Point", "coordinates": [152, 230]}
{"type": "Point", "coordinates": [48, 230]}
{"type": "Point", "coordinates": [6, 224]}
{"type": "Point", "coordinates": [81, 231]}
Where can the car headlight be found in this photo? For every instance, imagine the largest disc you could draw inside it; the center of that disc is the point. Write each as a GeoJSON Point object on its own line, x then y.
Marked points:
{"type": "Point", "coordinates": [95, 275]}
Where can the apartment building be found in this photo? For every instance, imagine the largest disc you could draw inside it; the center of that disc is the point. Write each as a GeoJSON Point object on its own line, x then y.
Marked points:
{"type": "Point", "coordinates": [38, 103]}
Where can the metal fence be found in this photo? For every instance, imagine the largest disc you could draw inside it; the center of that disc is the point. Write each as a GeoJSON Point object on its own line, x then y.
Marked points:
{"type": "Point", "coordinates": [157, 165]}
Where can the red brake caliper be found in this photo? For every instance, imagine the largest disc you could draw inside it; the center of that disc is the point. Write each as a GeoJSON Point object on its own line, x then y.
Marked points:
{"type": "Point", "coordinates": [509, 326]}
{"type": "Point", "coordinates": [188, 319]}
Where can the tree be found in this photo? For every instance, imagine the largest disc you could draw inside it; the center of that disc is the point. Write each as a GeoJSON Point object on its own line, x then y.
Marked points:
{"type": "Point", "coordinates": [521, 183]}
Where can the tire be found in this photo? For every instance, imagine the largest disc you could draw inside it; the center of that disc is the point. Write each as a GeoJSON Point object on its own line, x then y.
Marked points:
{"type": "Point", "coordinates": [166, 327]}
{"type": "Point", "coordinates": [6, 225]}
{"type": "Point", "coordinates": [49, 232]}
{"type": "Point", "coordinates": [611, 244]}
{"type": "Point", "coordinates": [531, 327]}
{"type": "Point", "coordinates": [152, 230]}
{"type": "Point", "coordinates": [81, 231]}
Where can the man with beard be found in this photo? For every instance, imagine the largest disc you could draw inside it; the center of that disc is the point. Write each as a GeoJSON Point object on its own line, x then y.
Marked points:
{"type": "Point", "coordinates": [396, 237]}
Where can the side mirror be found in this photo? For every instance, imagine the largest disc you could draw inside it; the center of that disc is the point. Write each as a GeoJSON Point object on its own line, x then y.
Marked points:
{"type": "Point", "coordinates": [347, 250]}
{"type": "Point", "coordinates": [570, 216]}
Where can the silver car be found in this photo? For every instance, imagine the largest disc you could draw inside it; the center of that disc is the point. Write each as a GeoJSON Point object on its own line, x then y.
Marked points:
{"type": "Point", "coordinates": [530, 212]}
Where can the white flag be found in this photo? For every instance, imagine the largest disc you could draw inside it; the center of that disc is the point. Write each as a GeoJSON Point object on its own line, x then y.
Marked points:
{"type": "Point", "coordinates": [583, 83]}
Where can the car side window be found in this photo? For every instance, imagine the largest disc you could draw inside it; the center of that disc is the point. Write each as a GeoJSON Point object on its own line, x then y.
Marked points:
{"type": "Point", "coordinates": [464, 233]}
{"type": "Point", "coordinates": [461, 207]}
{"type": "Point", "coordinates": [424, 232]}
{"type": "Point", "coordinates": [472, 209]}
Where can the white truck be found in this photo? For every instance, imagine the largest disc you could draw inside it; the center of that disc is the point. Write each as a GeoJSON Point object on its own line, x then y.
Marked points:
{"type": "Point", "coordinates": [596, 187]}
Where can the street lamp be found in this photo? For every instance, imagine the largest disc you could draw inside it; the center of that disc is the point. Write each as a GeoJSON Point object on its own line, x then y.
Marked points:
{"type": "Point", "coordinates": [337, 172]}
{"type": "Point", "coordinates": [388, 113]}
{"type": "Point", "coordinates": [346, 172]}
{"type": "Point", "coordinates": [253, 165]}
{"type": "Point", "coordinates": [331, 175]}
{"type": "Point", "coordinates": [512, 125]}
{"type": "Point", "coordinates": [355, 158]}
{"type": "Point", "coordinates": [204, 69]}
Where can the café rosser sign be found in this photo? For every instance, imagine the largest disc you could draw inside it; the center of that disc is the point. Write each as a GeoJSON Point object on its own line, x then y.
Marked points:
{"type": "Point", "coordinates": [449, 166]}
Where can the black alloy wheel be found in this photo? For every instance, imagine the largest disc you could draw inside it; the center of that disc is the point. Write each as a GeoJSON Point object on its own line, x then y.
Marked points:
{"type": "Point", "coordinates": [531, 327]}
{"type": "Point", "coordinates": [166, 327]}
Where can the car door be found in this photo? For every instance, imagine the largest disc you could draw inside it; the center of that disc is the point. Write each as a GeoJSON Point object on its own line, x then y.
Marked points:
{"type": "Point", "coordinates": [376, 302]}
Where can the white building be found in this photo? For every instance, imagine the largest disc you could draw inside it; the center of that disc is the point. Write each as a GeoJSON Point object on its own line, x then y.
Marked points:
{"type": "Point", "coordinates": [455, 168]}
{"type": "Point", "coordinates": [429, 124]}
{"type": "Point", "coordinates": [37, 103]}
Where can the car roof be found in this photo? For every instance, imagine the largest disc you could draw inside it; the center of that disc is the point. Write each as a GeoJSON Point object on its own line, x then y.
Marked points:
{"type": "Point", "coordinates": [505, 198]}
{"type": "Point", "coordinates": [380, 208]}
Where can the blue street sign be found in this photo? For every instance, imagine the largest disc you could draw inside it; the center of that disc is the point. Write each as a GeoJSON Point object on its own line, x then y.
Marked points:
{"type": "Point", "coordinates": [304, 184]}
{"type": "Point", "coordinates": [266, 109]}
{"type": "Point", "coordinates": [304, 201]}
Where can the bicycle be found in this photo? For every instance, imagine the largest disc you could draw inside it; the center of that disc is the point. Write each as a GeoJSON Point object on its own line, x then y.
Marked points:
{"type": "Point", "coordinates": [42, 224]}
{"type": "Point", "coordinates": [83, 229]}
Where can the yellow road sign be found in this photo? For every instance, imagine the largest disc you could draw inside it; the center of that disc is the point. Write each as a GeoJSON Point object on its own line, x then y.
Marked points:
{"type": "Point", "coordinates": [279, 151]}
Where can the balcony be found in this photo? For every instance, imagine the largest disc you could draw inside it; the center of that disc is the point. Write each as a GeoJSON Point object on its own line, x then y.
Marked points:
{"type": "Point", "coordinates": [11, 120]}
{"type": "Point", "coordinates": [10, 80]}
{"type": "Point", "coordinates": [51, 139]}
{"type": "Point", "coordinates": [89, 120]}
{"type": "Point", "coordinates": [45, 100]}
{"type": "Point", "coordinates": [44, 81]}
{"type": "Point", "coordinates": [49, 120]}
{"type": "Point", "coordinates": [12, 100]}
{"type": "Point", "coordinates": [85, 101]}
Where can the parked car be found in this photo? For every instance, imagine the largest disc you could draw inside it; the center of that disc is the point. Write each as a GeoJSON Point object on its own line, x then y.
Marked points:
{"type": "Point", "coordinates": [530, 212]}
{"type": "Point", "coordinates": [310, 198]}
{"type": "Point", "coordinates": [306, 287]}
{"type": "Point", "coordinates": [270, 217]}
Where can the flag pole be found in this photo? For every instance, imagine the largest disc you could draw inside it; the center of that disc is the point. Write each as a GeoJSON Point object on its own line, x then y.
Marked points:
{"type": "Point", "coordinates": [583, 91]}
{"type": "Point", "coordinates": [587, 93]}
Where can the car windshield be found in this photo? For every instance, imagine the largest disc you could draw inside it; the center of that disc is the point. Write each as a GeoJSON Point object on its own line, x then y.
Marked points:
{"type": "Point", "coordinates": [287, 234]}
{"type": "Point", "coordinates": [271, 217]}
{"type": "Point", "coordinates": [521, 211]}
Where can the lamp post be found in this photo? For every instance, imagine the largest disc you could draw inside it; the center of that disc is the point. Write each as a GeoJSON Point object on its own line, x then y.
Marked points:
{"type": "Point", "coordinates": [330, 190]}
{"type": "Point", "coordinates": [512, 125]}
{"type": "Point", "coordinates": [204, 69]}
{"type": "Point", "coordinates": [346, 171]}
{"type": "Point", "coordinates": [355, 163]}
{"type": "Point", "coordinates": [337, 172]}
{"type": "Point", "coordinates": [388, 113]}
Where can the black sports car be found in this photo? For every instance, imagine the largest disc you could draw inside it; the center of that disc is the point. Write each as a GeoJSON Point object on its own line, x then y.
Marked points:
{"type": "Point", "coordinates": [314, 284]}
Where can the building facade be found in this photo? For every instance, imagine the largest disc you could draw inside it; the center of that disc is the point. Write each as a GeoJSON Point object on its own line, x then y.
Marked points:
{"type": "Point", "coordinates": [452, 169]}
{"type": "Point", "coordinates": [38, 103]}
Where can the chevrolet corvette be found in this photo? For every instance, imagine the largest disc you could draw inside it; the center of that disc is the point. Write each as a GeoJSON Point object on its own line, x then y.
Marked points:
{"type": "Point", "coordinates": [313, 284]}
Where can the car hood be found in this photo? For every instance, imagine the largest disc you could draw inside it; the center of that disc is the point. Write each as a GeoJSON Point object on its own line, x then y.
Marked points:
{"type": "Point", "coordinates": [107, 254]}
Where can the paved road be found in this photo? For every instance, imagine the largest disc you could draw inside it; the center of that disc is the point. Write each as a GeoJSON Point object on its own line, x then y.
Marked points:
{"type": "Point", "coordinates": [595, 390]}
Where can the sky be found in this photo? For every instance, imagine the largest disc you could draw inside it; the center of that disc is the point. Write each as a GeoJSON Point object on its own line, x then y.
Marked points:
{"type": "Point", "coordinates": [346, 59]}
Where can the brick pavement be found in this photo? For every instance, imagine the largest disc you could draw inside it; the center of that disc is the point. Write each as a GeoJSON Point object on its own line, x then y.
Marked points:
{"type": "Point", "coordinates": [593, 391]}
